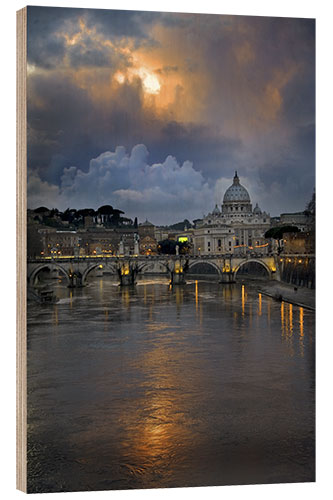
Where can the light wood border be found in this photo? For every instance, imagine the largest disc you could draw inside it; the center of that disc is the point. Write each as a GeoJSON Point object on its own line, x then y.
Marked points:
{"type": "Point", "coordinates": [21, 249]}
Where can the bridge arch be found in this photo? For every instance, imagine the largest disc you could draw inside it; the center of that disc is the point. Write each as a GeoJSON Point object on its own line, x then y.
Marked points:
{"type": "Point", "coordinates": [95, 266]}
{"type": "Point", "coordinates": [47, 265]}
{"type": "Point", "coordinates": [150, 263]}
{"type": "Point", "coordinates": [202, 261]}
{"type": "Point", "coordinates": [257, 261]}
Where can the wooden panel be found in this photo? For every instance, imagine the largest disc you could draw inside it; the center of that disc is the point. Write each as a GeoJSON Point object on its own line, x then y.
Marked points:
{"type": "Point", "coordinates": [21, 246]}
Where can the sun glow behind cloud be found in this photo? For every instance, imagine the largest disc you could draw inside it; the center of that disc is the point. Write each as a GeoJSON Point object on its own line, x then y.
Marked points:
{"type": "Point", "coordinates": [150, 81]}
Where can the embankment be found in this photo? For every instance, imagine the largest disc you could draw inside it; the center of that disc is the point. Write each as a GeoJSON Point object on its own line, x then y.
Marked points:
{"type": "Point", "coordinates": [299, 296]}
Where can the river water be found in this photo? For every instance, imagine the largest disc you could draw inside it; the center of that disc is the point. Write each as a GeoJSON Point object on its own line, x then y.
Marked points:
{"type": "Point", "coordinates": [153, 386]}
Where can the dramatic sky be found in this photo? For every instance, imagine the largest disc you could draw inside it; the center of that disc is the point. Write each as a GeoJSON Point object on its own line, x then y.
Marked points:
{"type": "Point", "coordinates": [153, 112]}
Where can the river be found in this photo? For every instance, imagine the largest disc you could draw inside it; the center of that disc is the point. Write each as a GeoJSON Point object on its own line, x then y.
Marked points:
{"type": "Point", "coordinates": [154, 386]}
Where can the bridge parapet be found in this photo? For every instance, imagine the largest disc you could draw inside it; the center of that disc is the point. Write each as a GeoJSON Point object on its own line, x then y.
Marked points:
{"type": "Point", "coordinates": [77, 268]}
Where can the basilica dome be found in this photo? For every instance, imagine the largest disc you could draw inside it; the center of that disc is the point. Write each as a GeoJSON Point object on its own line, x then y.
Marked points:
{"type": "Point", "coordinates": [236, 192]}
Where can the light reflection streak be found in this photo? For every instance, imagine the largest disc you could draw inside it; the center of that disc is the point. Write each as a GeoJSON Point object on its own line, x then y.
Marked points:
{"type": "Point", "coordinates": [301, 331]}
{"type": "Point", "coordinates": [243, 300]}
{"type": "Point", "coordinates": [196, 296]}
{"type": "Point", "coordinates": [154, 430]}
{"type": "Point", "coordinates": [125, 296]}
{"type": "Point", "coordinates": [179, 297]}
{"type": "Point", "coordinates": [289, 329]}
{"type": "Point", "coordinates": [301, 325]}
{"type": "Point", "coordinates": [55, 315]}
{"type": "Point", "coordinates": [290, 320]}
{"type": "Point", "coordinates": [282, 319]}
{"type": "Point", "coordinates": [250, 315]}
{"type": "Point", "coordinates": [260, 309]}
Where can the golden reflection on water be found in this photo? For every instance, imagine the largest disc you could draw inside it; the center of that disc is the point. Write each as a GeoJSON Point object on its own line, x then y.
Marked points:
{"type": "Point", "coordinates": [290, 320]}
{"type": "Point", "coordinates": [196, 296]}
{"type": "Point", "coordinates": [55, 315]}
{"type": "Point", "coordinates": [156, 428]}
{"type": "Point", "coordinates": [243, 300]}
{"type": "Point", "coordinates": [301, 331]}
{"type": "Point", "coordinates": [106, 315]}
{"type": "Point", "coordinates": [179, 297]}
{"type": "Point", "coordinates": [260, 306]}
{"type": "Point", "coordinates": [70, 299]}
{"type": "Point", "coordinates": [125, 297]}
{"type": "Point", "coordinates": [290, 331]}
{"type": "Point", "coordinates": [282, 319]}
{"type": "Point", "coordinates": [250, 315]}
{"type": "Point", "coordinates": [301, 326]}
{"type": "Point", "coordinates": [287, 326]}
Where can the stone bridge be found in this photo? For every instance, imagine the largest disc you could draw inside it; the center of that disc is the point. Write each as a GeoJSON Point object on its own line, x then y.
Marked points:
{"type": "Point", "coordinates": [76, 269]}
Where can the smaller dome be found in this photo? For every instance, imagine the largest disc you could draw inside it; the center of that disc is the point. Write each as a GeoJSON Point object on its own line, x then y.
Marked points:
{"type": "Point", "coordinates": [216, 210]}
{"type": "Point", "coordinates": [146, 223]}
{"type": "Point", "coordinates": [257, 209]}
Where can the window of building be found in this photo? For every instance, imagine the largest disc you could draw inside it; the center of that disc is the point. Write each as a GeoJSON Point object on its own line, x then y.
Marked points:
{"type": "Point", "coordinates": [218, 243]}
{"type": "Point", "coordinates": [208, 243]}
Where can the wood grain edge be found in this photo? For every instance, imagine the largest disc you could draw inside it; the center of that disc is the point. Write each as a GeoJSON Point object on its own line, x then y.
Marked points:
{"type": "Point", "coordinates": [21, 249]}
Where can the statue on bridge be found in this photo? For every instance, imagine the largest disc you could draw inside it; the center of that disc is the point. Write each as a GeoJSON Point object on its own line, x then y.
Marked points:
{"type": "Point", "coordinates": [121, 249]}
{"type": "Point", "coordinates": [136, 244]}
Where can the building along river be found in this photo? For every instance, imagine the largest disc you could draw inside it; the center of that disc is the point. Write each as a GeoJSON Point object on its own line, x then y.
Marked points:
{"type": "Point", "coordinates": [158, 386]}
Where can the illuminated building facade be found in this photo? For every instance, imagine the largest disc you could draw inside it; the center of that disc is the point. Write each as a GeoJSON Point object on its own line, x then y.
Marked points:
{"type": "Point", "coordinates": [235, 228]}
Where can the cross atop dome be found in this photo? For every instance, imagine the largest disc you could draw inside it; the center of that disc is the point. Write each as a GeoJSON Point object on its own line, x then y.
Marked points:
{"type": "Point", "coordinates": [236, 179]}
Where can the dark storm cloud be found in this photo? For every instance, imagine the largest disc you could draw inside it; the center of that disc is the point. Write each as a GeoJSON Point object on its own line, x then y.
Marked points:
{"type": "Point", "coordinates": [56, 111]}
{"type": "Point", "coordinates": [45, 48]}
{"type": "Point", "coordinates": [122, 24]}
{"type": "Point", "coordinates": [211, 152]}
{"type": "Point", "coordinates": [47, 27]}
{"type": "Point", "coordinates": [68, 123]}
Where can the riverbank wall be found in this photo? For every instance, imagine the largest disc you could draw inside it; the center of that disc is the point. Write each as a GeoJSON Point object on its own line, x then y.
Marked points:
{"type": "Point", "coordinates": [299, 296]}
{"type": "Point", "coordinates": [298, 270]}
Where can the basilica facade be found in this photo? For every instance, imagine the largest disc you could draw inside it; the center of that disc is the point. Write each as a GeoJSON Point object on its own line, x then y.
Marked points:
{"type": "Point", "coordinates": [235, 228]}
